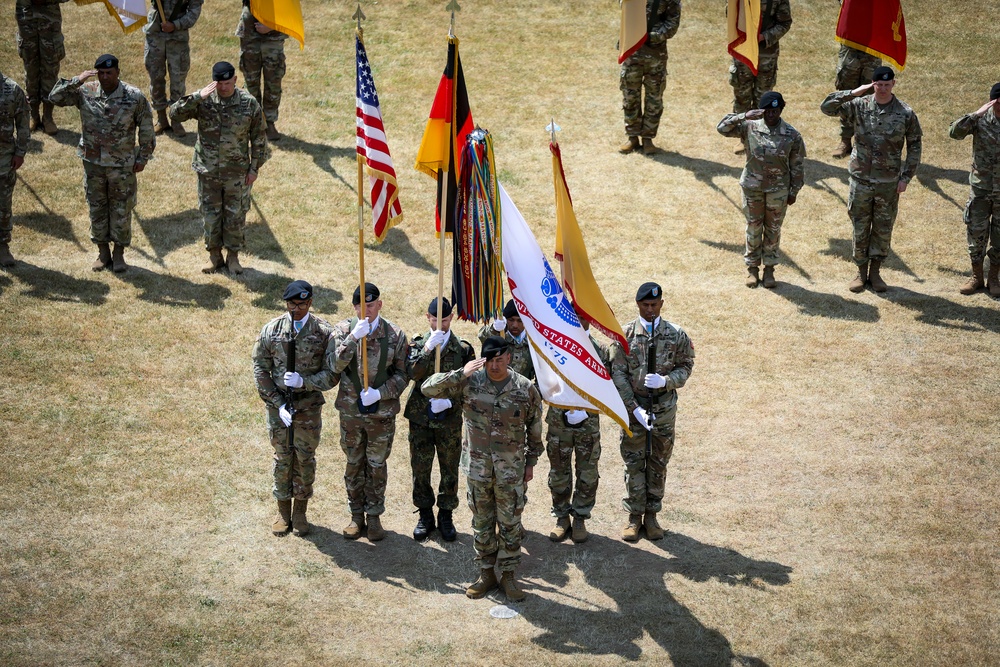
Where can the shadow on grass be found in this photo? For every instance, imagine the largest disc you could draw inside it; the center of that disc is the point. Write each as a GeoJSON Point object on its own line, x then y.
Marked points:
{"type": "Point", "coordinates": [930, 177]}
{"type": "Point", "coordinates": [940, 312]}
{"type": "Point", "coordinates": [50, 222]}
{"type": "Point", "coordinates": [819, 174]}
{"type": "Point", "coordinates": [167, 290]}
{"type": "Point", "coordinates": [261, 240]}
{"type": "Point", "coordinates": [167, 233]}
{"type": "Point", "coordinates": [322, 154]}
{"type": "Point", "coordinates": [397, 244]}
{"type": "Point", "coordinates": [66, 137]}
{"type": "Point", "coordinates": [270, 286]}
{"type": "Point", "coordinates": [738, 249]}
{"type": "Point", "coordinates": [54, 286]}
{"type": "Point", "coordinates": [844, 249]}
{"type": "Point", "coordinates": [705, 171]}
{"type": "Point", "coordinates": [5, 282]}
{"type": "Point", "coordinates": [831, 306]}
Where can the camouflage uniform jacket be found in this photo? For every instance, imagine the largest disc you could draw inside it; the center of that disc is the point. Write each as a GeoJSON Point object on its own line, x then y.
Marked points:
{"type": "Point", "coordinates": [592, 424]}
{"type": "Point", "coordinates": [774, 154]}
{"type": "Point", "coordinates": [520, 353]}
{"type": "Point", "coordinates": [879, 136]}
{"type": "Point", "coordinates": [345, 364]}
{"type": "Point", "coordinates": [14, 122]}
{"type": "Point", "coordinates": [182, 13]}
{"type": "Point", "coordinates": [674, 359]}
{"type": "Point", "coordinates": [985, 131]}
{"type": "Point", "coordinates": [775, 21]}
{"type": "Point", "coordinates": [109, 122]}
{"type": "Point", "coordinates": [661, 27]}
{"type": "Point", "coordinates": [246, 31]}
{"type": "Point", "coordinates": [420, 364]}
{"type": "Point", "coordinates": [231, 137]}
{"type": "Point", "coordinates": [30, 10]}
{"type": "Point", "coordinates": [501, 429]}
{"type": "Point", "coordinates": [313, 358]}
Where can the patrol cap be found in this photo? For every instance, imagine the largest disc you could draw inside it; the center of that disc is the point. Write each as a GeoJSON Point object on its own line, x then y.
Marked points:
{"type": "Point", "coordinates": [883, 73]}
{"type": "Point", "coordinates": [649, 291]}
{"type": "Point", "coordinates": [107, 61]}
{"type": "Point", "coordinates": [510, 310]}
{"type": "Point", "coordinates": [494, 346]}
{"type": "Point", "coordinates": [298, 289]}
{"type": "Point", "coordinates": [223, 71]}
{"type": "Point", "coordinates": [432, 309]}
{"type": "Point", "coordinates": [772, 100]}
{"type": "Point", "coordinates": [371, 294]}
{"type": "Point", "coordinates": [995, 91]}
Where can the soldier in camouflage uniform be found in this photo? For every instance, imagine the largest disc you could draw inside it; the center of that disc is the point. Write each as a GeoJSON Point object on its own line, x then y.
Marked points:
{"type": "Point", "coordinates": [775, 21]}
{"type": "Point", "coordinates": [262, 56]}
{"type": "Point", "coordinates": [40, 45]}
{"type": "Point", "coordinates": [112, 113]}
{"type": "Point", "coordinates": [14, 135]}
{"type": "Point", "coordinates": [882, 126]}
{"type": "Point", "coordinates": [293, 395]}
{"type": "Point", "coordinates": [651, 398]}
{"type": "Point", "coordinates": [854, 68]}
{"type": "Point", "coordinates": [647, 69]}
{"type": "Point", "coordinates": [368, 413]}
{"type": "Point", "coordinates": [511, 328]}
{"type": "Point", "coordinates": [982, 212]}
{"type": "Point", "coordinates": [771, 179]}
{"type": "Point", "coordinates": [501, 442]}
{"type": "Point", "coordinates": [167, 49]}
{"type": "Point", "coordinates": [435, 423]}
{"type": "Point", "coordinates": [230, 150]}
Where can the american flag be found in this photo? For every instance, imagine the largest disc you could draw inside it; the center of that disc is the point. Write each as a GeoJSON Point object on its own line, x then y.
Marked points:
{"type": "Point", "coordinates": [373, 147]}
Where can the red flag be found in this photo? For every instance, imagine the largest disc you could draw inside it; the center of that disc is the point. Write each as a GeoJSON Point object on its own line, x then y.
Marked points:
{"type": "Point", "coordinates": [875, 27]}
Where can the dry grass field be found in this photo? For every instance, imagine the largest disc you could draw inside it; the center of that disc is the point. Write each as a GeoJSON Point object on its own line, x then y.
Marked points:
{"type": "Point", "coordinates": [833, 496]}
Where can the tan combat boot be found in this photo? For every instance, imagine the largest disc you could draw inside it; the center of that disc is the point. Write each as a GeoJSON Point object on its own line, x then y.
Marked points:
{"type": "Point", "coordinates": [753, 276]}
{"type": "Point", "coordinates": [6, 259]}
{"type": "Point", "coordinates": [271, 132]}
{"type": "Point", "coordinates": [354, 528]}
{"type": "Point", "coordinates": [559, 533]}
{"type": "Point", "coordinates": [103, 257]}
{"type": "Point", "coordinates": [975, 282]}
{"type": "Point", "coordinates": [375, 531]}
{"type": "Point", "coordinates": [844, 149]}
{"type": "Point", "coordinates": [178, 129]}
{"type": "Point", "coordinates": [233, 262]}
{"type": "Point", "coordinates": [510, 587]}
{"type": "Point", "coordinates": [283, 522]}
{"type": "Point", "coordinates": [486, 583]}
{"type": "Point", "coordinates": [36, 119]}
{"type": "Point", "coordinates": [118, 264]}
{"type": "Point", "coordinates": [648, 148]}
{"type": "Point", "coordinates": [631, 145]}
{"type": "Point", "coordinates": [858, 284]}
{"type": "Point", "coordinates": [48, 123]}
{"type": "Point", "coordinates": [630, 533]}
{"type": "Point", "coordinates": [580, 533]}
{"type": "Point", "coordinates": [874, 278]}
{"type": "Point", "coordinates": [993, 279]}
{"type": "Point", "coordinates": [215, 261]}
{"type": "Point", "coordinates": [162, 122]}
{"type": "Point", "coordinates": [653, 530]}
{"type": "Point", "coordinates": [769, 282]}
{"type": "Point", "coordinates": [300, 525]}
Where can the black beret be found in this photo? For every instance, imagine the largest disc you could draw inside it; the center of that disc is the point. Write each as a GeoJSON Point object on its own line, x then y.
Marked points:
{"type": "Point", "coordinates": [107, 61]}
{"type": "Point", "coordinates": [510, 310]}
{"type": "Point", "coordinates": [995, 91]}
{"type": "Point", "coordinates": [649, 291]}
{"type": "Point", "coordinates": [298, 289]}
{"type": "Point", "coordinates": [883, 73]}
{"type": "Point", "coordinates": [371, 294]}
{"type": "Point", "coordinates": [223, 71]}
{"type": "Point", "coordinates": [432, 308]}
{"type": "Point", "coordinates": [494, 346]}
{"type": "Point", "coordinates": [772, 100]}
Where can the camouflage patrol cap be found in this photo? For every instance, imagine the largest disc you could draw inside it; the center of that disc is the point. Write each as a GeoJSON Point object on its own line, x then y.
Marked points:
{"type": "Point", "coordinates": [223, 71]}
{"type": "Point", "coordinates": [494, 346]}
{"type": "Point", "coordinates": [371, 294]}
{"type": "Point", "coordinates": [432, 308]}
{"type": "Point", "coordinates": [772, 100]}
{"type": "Point", "coordinates": [107, 61]}
{"type": "Point", "coordinates": [298, 289]}
{"type": "Point", "coordinates": [883, 73]}
{"type": "Point", "coordinates": [995, 91]}
{"type": "Point", "coordinates": [510, 310]}
{"type": "Point", "coordinates": [649, 291]}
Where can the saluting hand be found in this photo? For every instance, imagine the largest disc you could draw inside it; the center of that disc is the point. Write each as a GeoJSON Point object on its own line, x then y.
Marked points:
{"type": "Point", "coordinates": [209, 89]}
{"type": "Point", "coordinates": [986, 107]}
{"type": "Point", "coordinates": [754, 114]}
{"type": "Point", "coordinates": [87, 75]}
{"type": "Point", "coordinates": [861, 90]}
{"type": "Point", "coordinates": [473, 366]}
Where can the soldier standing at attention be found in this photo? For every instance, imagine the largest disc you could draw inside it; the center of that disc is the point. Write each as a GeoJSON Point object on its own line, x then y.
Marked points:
{"type": "Point", "coordinates": [771, 179]}
{"type": "Point", "coordinates": [167, 49]}
{"type": "Point", "coordinates": [368, 414]}
{"type": "Point", "coordinates": [882, 126]}
{"type": "Point", "coordinates": [647, 69]}
{"type": "Point", "coordinates": [14, 136]}
{"type": "Point", "coordinates": [294, 399]}
{"type": "Point", "coordinates": [651, 397]}
{"type": "Point", "coordinates": [501, 442]}
{"type": "Point", "coordinates": [40, 45]}
{"type": "Point", "coordinates": [982, 212]}
{"type": "Point", "coordinates": [262, 56]}
{"type": "Point", "coordinates": [435, 423]}
{"type": "Point", "coordinates": [511, 328]}
{"type": "Point", "coordinates": [775, 21]}
{"type": "Point", "coordinates": [230, 150]}
{"type": "Point", "coordinates": [112, 113]}
{"type": "Point", "coordinates": [854, 68]}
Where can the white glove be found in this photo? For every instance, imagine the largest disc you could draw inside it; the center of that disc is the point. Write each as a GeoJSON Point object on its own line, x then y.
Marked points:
{"type": "Point", "coordinates": [643, 418]}
{"type": "Point", "coordinates": [369, 396]}
{"type": "Point", "coordinates": [293, 380]}
{"type": "Point", "coordinates": [440, 404]}
{"type": "Point", "coordinates": [361, 329]}
{"type": "Point", "coordinates": [574, 417]}
{"type": "Point", "coordinates": [499, 325]}
{"type": "Point", "coordinates": [655, 381]}
{"type": "Point", "coordinates": [286, 416]}
{"type": "Point", "coordinates": [436, 339]}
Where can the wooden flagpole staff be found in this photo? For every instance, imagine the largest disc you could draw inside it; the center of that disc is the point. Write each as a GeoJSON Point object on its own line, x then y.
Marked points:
{"type": "Point", "coordinates": [358, 16]}
{"type": "Point", "coordinates": [159, 8]}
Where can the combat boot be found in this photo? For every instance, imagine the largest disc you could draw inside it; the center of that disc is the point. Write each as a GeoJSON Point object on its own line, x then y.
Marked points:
{"type": "Point", "coordinates": [486, 583]}
{"type": "Point", "coordinates": [858, 284]}
{"type": "Point", "coordinates": [446, 526]}
{"type": "Point", "coordinates": [561, 530]}
{"type": "Point", "coordinates": [6, 259]}
{"type": "Point", "coordinates": [48, 123]}
{"type": "Point", "coordinates": [233, 262]}
{"type": "Point", "coordinates": [510, 587]}
{"type": "Point", "coordinates": [354, 528]}
{"type": "Point", "coordinates": [844, 149]}
{"type": "Point", "coordinates": [580, 533]}
{"type": "Point", "coordinates": [375, 531]}
{"type": "Point", "coordinates": [975, 282]}
{"type": "Point", "coordinates": [300, 525]}
{"type": "Point", "coordinates": [103, 257]}
{"type": "Point", "coordinates": [874, 278]}
{"type": "Point", "coordinates": [118, 264]}
{"type": "Point", "coordinates": [631, 145]}
{"type": "Point", "coordinates": [425, 524]}
{"type": "Point", "coordinates": [648, 147]}
{"type": "Point", "coordinates": [162, 122]}
{"type": "Point", "coordinates": [36, 119]}
{"type": "Point", "coordinates": [769, 281]}
{"type": "Point", "coordinates": [630, 533]}
{"type": "Point", "coordinates": [271, 132]}
{"type": "Point", "coordinates": [993, 279]}
{"type": "Point", "coordinates": [178, 129]}
{"type": "Point", "coordinates": [653, 530]}
{"type": "Point", "coordinates": [215, 261]}
{"type": "Point", "coordinates": [753, 276]}
{"type": "Point", "coordinates": [283, 522]}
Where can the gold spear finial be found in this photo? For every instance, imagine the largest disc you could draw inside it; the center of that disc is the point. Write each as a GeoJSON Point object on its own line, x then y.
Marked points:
{"type": "Point", "coordinates": [360, 16]}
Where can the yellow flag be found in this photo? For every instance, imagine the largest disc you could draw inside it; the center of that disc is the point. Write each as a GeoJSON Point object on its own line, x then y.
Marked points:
{"type": "Point", "coordinates": [633, 30]}
{"type": "Point", "coordinates": [743, 21]}
{"type": "Point", "coordinates": [281, 15]}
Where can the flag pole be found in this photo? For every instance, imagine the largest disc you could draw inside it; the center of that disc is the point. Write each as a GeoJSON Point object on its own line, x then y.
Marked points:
{"type": "Point", "coordinates": [159, 8]}
{"type": "Point", "coordinates": [552, 129]}
{"type": "Point", "coordinates": [361, 229]}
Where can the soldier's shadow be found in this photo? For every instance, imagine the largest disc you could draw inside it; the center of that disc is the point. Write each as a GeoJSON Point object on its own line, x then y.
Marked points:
{"type": "Point", "coordinates": [931, 177]}
{"type": "Point", "coordinates": [818, 175]}
{"type": "Point", "coordinates": [270, 286]}
{"type": "Point", "coordinates": [167, 290]}
{"type": "Point", "coordinates": [705, 171]}
{"type": "Point", "coordinates": [261, 240]}
{"type": "Point", "coordinates": [831, 306]}
{"type": "Point", "coordinates": [322, 154]}
{"type": "Point", "coordinates": [940, 312]}
{"type": "Point", "coordinates": [49, 222]}
{"type": "Point", "coordinates": [54, 286]}
{"type": "Point", "coordinates": [170, 232]}
{"type": "Point", "coordinates": [740, 249]}
{"type": "Point", "coordinates": [844, 249]}
{"type": "Point", "coordinates": [397, 245]}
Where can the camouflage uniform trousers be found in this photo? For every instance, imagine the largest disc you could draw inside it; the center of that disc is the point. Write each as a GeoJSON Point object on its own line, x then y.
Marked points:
{"type": "Point", "coordinates": [167, 51]}
{"type": "Point", "coordinates": [367, 443]}
{"type": "Point", "coordinates": [560, 445]}
{"type": "Point", "coordinates": [264, 59]}
{"type": "Point", "coordinates": [497, 503]}
{"type": "Point", "coordinates": [294, 468]}
{"type": "Point", "coordinates": [7, 180]}
{"type": "Point", "coordinates": [111, 195]}
{"type": "Point", "coordinates": [854, 68]}
{"type": "Point", "coordinates": [873, 211]}
{"type": "Point", "coordinates": [638, 72]}
{"type": "Point", "coordinates": [748, 88]}
{"type": "Point", "coordinates": [224, 202]}
{"type": "Point", "coordinates": [424, 442]}
{"type": "Point", "coordinates": [644, 478]}
{"type": "Point", "coordinates": [765, 211]}
{"type": "Point", "coordinates": [41, 47]}
{"type": "Point", "coordinates": [982, 221]}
